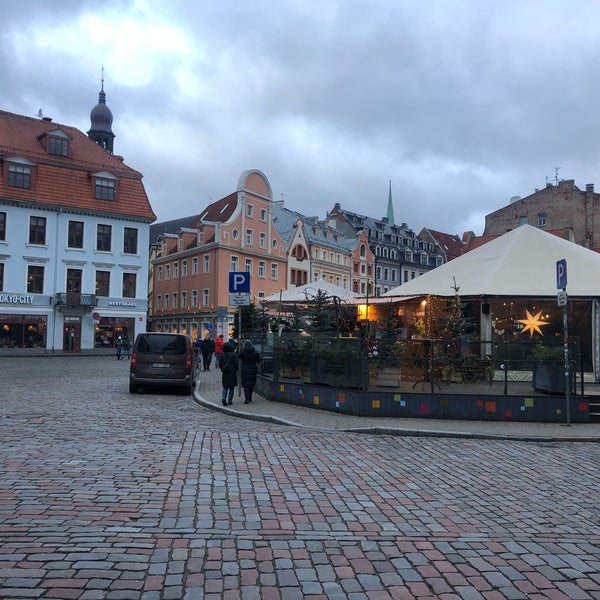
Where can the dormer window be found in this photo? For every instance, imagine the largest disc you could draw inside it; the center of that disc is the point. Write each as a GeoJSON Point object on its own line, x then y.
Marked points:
{"type": "Point", "coordinates": [58, 146]}
{"type": "Point", "coordinates": [19, 173]}
{"type": "Point", "coordinates": [105, 186]}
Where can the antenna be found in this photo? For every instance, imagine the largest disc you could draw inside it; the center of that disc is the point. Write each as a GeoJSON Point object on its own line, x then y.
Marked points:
{"type": "Point", "coordinates": [556, 174]}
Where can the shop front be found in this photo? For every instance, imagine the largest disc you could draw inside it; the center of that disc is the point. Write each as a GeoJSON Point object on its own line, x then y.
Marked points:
{"type": "Point", "coordinates": [23, 321]}
{"type": "Point", "coordinates": [108, 329]}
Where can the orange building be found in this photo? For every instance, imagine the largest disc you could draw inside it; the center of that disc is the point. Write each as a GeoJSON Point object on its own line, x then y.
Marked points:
{"type": "Point", "coordinates": [191, 268]}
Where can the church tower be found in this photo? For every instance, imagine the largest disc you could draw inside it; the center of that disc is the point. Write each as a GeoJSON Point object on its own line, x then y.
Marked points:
{"type": "Point", "coordinates": [101, 122]}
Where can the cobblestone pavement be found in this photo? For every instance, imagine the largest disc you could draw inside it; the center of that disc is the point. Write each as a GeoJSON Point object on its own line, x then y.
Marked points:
{"type": "Point", "coordinates": [104, 494]}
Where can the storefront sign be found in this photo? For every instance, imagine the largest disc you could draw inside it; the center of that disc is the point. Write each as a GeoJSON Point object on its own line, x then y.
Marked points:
{"type": "Point", "coordinates": [122, 303]}
{"type": "Point", "coordinates": [15, 299]}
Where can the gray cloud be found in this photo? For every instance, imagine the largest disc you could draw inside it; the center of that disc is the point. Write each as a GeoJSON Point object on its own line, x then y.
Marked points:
{"type": "Point", "coordinates": [463, 104]}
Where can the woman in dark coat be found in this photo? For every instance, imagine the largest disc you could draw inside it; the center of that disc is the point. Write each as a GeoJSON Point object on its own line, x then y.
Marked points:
{"type": "Point", "coordinates": [249, 358]}
{"type": "Point", "coordinates": [228, 365]}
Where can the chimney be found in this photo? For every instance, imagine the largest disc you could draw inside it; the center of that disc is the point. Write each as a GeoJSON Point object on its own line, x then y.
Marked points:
{"type": "Point", "coordinates": [589, 188]}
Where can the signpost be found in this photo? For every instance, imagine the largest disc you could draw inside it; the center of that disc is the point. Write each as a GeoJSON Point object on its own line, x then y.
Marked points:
{"type": "Point", "coordinates": [561, 298]}
{"type": "Point", "coordinates": [239, 295]}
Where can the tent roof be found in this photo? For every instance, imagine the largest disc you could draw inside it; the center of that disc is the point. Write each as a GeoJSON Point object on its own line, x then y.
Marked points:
{"type": "Point", "coordinates": [521, 262]}
{"type": "Point", "coordinates": [308, 291]}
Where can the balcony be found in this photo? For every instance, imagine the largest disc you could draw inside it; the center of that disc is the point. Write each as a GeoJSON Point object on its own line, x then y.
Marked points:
{"type": "Point", "coordinates": [75, 299]}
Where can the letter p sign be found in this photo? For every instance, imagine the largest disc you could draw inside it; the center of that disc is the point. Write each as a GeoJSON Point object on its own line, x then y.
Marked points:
{"type": "Point", "coordinates": [561, 274]}
{"type": "Point", "coordinates": [239, 282]}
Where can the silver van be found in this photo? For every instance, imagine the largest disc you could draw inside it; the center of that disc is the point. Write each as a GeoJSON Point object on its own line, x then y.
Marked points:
{"type": "Point", "coordinates": [163, 359]}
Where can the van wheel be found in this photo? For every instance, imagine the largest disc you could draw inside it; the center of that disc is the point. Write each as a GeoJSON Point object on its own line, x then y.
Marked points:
{"type": "Point", "coordinates": [187, 389]}
{"type": "Point", "coordinates": [133, 388]}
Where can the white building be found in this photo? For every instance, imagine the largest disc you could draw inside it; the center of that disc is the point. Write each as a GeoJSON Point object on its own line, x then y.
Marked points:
{"type": "Point", "coordinates": [74, 236]}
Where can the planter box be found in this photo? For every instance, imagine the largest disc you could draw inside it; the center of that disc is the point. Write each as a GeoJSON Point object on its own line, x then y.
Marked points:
{"type": "Point", "coordinates": [550, 377]}
{"type": "Point", "coordinates": [387, 377]}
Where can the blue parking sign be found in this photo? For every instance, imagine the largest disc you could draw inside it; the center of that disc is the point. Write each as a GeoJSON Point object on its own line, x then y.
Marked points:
{"type": "Point", "coordinates": [239, 282]}
{"type": "Point", "coordinates": [561, 274]}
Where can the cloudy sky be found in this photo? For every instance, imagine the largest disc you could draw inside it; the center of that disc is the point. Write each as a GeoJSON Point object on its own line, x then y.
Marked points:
{"type": "Point", "coordinates": [462, 104]}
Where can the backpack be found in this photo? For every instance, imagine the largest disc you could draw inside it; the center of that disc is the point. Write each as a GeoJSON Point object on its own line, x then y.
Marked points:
{"type": "Point", "coordinates": [228, 363]}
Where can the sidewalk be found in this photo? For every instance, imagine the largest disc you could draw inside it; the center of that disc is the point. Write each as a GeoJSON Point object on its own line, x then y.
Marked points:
{"type": "Point", "coordinates": [208, 393]}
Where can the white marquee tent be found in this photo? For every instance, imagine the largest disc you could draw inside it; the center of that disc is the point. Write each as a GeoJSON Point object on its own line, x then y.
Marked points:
{"type": "Point", "coordinates": [308, 291]}
{"type": "Point", "coordinates": [521, 262]}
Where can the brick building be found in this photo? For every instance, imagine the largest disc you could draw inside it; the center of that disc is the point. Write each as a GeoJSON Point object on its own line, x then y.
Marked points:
{"type": "Point", "coordinates": [556, 207]}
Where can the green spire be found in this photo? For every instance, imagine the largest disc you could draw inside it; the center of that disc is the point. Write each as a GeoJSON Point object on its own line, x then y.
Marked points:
{"type": "Point", "coordinates": [390, 207]}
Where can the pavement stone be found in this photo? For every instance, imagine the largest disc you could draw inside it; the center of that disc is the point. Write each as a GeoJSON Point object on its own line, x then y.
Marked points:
{"type": "Point", "coordinates": [106, 494]}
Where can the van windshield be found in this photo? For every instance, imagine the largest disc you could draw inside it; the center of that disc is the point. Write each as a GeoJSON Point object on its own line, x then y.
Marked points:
{"type": "Point", "coordinates": [162, 344]}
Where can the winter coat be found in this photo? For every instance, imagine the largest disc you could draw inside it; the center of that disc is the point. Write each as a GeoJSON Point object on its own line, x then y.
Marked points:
{"type": "Point", "coordinates": [249, 358]}
{"type": "Point", "coordinates": [219, 345]}
{"type": "Point", "coordinates": [207, 346]}
{"type": "Point", "coordinates": [228, 366]}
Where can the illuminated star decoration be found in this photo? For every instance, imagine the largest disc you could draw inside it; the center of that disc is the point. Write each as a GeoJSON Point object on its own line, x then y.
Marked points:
{"type": "Point", "coordinates": [532, 323]}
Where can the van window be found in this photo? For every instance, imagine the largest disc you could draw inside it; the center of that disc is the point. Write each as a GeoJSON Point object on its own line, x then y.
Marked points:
{"type": "Point", "coordinates": [162, 344]}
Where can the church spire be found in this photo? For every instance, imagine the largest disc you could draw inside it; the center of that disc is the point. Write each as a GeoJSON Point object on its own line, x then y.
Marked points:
{"type": "Point", "coordinates": [390, 207]}
{"type": "Point", "coordinates": [101, 121]}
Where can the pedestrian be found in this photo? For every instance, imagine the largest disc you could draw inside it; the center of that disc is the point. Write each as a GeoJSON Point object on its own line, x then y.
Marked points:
{"type": "Point", "coordinates": [127, 347]}
{"type": "Point", "coordinates": [249, 358]}
{"type": "Point", "coordinates": [207, 347]}
{"type": "Point", "coordinates": [228, 365]}
{"type": "Point", "coordinates": [119, 347]}
{"type": "Point", "coordinates": [218, 350]}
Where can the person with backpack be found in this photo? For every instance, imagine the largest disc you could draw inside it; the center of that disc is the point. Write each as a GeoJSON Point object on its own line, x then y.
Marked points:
{"type": "Point", "coordinates": [249, 358]}
{"type": "Point", "coordinates": [228, 365]}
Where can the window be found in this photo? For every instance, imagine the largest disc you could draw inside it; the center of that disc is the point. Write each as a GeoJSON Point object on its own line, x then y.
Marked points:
{"type": "Point", "coordinates": [250, 210]}
{"type": "Point", "coordinates": [263, 215]}
{"type": "Point", "coordinates": [274, 271]}
{"type": "Point", "coordinates": [37, 230]}
{"type": "Point", "coordinates": [167, 272]}
{"type": "Point", "coordinates": [262, 241]}
{"type": "Point", "coordinates": [104, 238]}
{"type": "Point", "coordinates": [542, 220]}
{"type": "Point", "coordinates": [175, 298]}
{"type": "Point", "coordinates": [363, 251]}
{"type": "Point", "coordinates": [248, 265]}
{"type": "Point", "coordinates": [3, 226]}
{"type": "Point", "coordinates": [206, 263]}
{"type": "Point", "coordinates": [194, 298]}
{"type": "Point", "coordinates": [175, 270]}
{"type": "Point", "coordinates": [75, 236]}
{"type": "Point", "coordinates": [74, 281]}
{"type": "Point", "coordinates": [184, 268]}
{"type": "Point", "coordinates": [129, 285]}
{"type": "Point", "coordinates": [423, 258]}
{"type": "Point", "coordinates": [195, 265]}
{"type": "Point", "coordinates": [1, 277]}
{"type": "Point", "coordinates": [102, 283]}
{"type": "Point", "coordinates": [160, 273]}
{"type": "Point", "coordinates": [233, 263]}
{"type": "Point", "coordinates": [58, 146]}
{"type": "Point", "coordinates": [19, 176]}
{"type": "Point", "coordinates": [183, 299]}
{"type": "Point", "coordinates": [130, 240]}
{"type": "Point", "coordinates": [158, 303]}
{"type": "Point", "coordinates": [35, 280]}
{"type": "Point", "coordinates": [235, 234]}
{"type": "Point", "coordinates": [205, 297]}
{"type": "Point", "coordinates": [104, 189]}
{"type": "Point", "coordinates": [166, 301]}
{"type": "Point", "coordinates": [262, 267]}
{"type": "Point", "coordinates": [249, 237]}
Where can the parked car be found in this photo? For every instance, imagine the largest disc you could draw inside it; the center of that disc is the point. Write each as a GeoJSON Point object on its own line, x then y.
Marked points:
{"type": "Point", "coordinates": [163, 359]}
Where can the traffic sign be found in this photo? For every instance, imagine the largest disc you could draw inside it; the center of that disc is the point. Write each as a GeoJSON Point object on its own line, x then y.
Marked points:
{"type": "Point", "coordinates": [239, 282]}
{"type": "Point", "coordinates": [239, 299]}
{"type": "Point", "coordinates": [561, 274]}
{"type": "Point", "coordinates": [561, 298]}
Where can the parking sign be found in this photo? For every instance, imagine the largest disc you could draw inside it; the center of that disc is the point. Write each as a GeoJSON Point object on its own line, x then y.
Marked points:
{"type": "Point", "coordinates": [239, 282]}
{"type": "Point", "coordinates": [561, 274]}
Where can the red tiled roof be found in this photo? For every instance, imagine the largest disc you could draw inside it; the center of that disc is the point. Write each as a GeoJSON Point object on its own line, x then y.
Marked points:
{"type": "Point", "coordinates": [449, 243]}
{"type": "Point", "coordinates": [66, 180]}
{"type": "Point", "coordinates": [219, 211]}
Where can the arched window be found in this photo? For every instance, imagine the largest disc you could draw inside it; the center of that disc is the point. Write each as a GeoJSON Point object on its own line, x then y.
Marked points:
{"type": "Point", "coordinates": [363, 251]}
